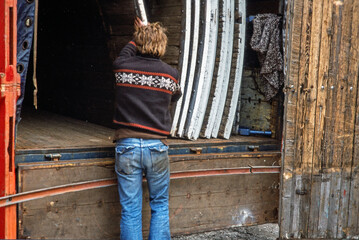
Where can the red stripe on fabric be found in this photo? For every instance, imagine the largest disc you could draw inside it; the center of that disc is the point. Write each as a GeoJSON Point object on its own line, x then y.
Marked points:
{"type": "Point", "coordinates": [142, 126]}
{"type": "Point", "coordinates": [147, 73]}
{"type": "Point", "coordinates": [133, 43]}
{"type": "Point", "coordinates": [144, 87]}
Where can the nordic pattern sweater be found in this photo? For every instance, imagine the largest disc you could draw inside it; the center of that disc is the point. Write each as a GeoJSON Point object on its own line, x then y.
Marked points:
{"type": "Point", "coordinates": [145, 87]}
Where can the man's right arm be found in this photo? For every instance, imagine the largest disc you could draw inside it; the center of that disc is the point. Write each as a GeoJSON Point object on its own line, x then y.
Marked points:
{"type": "Point", "coordinates": [127, 51]}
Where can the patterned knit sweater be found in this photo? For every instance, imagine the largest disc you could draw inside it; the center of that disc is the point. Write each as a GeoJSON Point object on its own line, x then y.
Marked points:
{"type": "Point", "coordinates": [145, 87]}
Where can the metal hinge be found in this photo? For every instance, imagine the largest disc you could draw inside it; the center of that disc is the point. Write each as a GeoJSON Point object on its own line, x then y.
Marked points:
{"type": "Point", "coordinates": [197, 150]}
{"type": "Point", "coordinates": [53, 157]}
{"type": "Point", "coordinates": [3, 86]}
{"type": "Point", "coordinates": [254, 148]}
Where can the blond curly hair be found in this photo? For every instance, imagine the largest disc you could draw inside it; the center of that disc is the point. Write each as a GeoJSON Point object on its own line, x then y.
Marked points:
{"type": "Point", "coordinates": [151, 39]}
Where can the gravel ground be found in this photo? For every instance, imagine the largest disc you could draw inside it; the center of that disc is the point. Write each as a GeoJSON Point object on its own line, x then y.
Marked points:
{"type": "Point", "coordinates": [260, 232]}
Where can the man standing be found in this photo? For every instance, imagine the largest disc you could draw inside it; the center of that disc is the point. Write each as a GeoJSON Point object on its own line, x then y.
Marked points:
{"type": "Point", "coordinates": [145, 87]}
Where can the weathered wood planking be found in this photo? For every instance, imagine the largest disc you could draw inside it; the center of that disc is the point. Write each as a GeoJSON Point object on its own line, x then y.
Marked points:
{"type": "Point", "coordinates": [255, 111]}
{"type": "Point", "coordinates": [196, 204]}
{"type": "Point", "coordinates": [345, 121]}
{"type": "Point", "coordinates": [320, 133]}
{"type": "Point", "coordinates": [292, 43]}
{"type": "Point", "coordinates": [353, 220]}
{"type": "Point", "coordinates": [44, 130]}
{"type": "Point", "coordinates": [320, 185]}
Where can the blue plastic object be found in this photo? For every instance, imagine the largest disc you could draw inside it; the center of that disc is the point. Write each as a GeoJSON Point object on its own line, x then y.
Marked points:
{"type": "Point", "coordinates": [248, 132]}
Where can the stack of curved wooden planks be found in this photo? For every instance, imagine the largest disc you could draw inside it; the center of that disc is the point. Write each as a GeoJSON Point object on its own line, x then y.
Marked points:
{"type": "Point", "coordinates": [211, 65]}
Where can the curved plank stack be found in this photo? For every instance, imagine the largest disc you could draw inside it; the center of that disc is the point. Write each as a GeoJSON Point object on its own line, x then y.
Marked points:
{"type": "Point", "coordinates": [211, 68]}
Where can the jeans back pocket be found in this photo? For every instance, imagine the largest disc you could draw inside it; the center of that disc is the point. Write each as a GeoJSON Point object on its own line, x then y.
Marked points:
{"type": "Point", "coordinates": [159, 158]}
{"type": "Point", "coordinates": [124, 159]}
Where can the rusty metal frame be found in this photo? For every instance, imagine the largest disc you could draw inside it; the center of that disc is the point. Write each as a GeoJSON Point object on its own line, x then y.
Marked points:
{"type": "Point", "coordinates": [9, 91]}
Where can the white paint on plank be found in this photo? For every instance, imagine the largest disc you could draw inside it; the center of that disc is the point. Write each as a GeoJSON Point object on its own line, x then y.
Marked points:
{"type": "Point", "coordinates": [142, 10]}
{"type": "Point", "coordinates": [344, 204]}
{"type": "Point", "coordinates": [296, 206]}
{"type": "Point", "coordinates": [202, 69]}
{"type": "Point", "coordinates": [224, 68]}
{"type": "Point", "coordinates": [200, 109]}
{"type": "Point", "coordinates": [192, 68]}
{"type": "Point", "coordinates": [185, 56]}
{"type": "Point", "coordinates": [334, 205]}
{"type": "Point", "coordinates": [239, 69]}
{"type": "Point", "coordinates": [323, 205]}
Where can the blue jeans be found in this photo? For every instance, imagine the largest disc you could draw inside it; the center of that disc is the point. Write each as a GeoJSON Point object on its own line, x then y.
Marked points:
{"type": "Point", "coordinates": [135, 157]}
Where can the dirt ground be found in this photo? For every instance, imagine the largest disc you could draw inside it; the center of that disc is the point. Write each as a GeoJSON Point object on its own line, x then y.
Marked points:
{"type": "Point", "coordinates": [260, 232]}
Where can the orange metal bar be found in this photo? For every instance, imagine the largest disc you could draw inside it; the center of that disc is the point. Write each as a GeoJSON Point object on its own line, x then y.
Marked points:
{"type": "Point", "coordinates": [75, 187]}
{"type": "Point", "coordinates": [9, 91]}
{"type": "Point", "coordinates": [47, 192]}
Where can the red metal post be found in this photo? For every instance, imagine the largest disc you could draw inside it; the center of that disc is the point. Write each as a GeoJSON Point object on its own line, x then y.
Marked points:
{"type": "Point", "coordinates": [9, 91]}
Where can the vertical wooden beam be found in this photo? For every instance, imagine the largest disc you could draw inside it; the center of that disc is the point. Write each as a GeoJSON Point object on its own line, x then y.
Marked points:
{"type": "Point", "coordinates": [9, 89]}
{"type": "Point", "coordinates": [347, 87]}
{"type": "Point", "coordinates": [353, 211]}
{"type": "Point", "coordinates": [300, 188]}
{"type": "Point", "coordinates": [334, 126]}
{"type": "Point", "coordinates": [318, 186]}
{"type": "Point", "coordinates": [293, 42]}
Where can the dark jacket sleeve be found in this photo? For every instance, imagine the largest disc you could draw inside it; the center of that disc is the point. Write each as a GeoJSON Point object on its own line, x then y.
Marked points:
{"type": "Point", "coordinates": [127, 51]}
{"type": "Point", "coordinates": [178, 93]}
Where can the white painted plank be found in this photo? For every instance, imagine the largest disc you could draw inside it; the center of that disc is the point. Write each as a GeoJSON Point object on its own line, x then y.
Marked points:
{"type": "Point", "coordinates": [142, 10]}
{"type": "Point", "coordinates": [227, 74]}
{"type": "Point", "coordinates": [184, 68]}
{"type": "Point", "coordinates": [192, 68]}
{"type": "Point", "coordinates": [324, 206]}
{"type": "Point", "coordinates": [238, 76]}
{"type": "Point", "coordinates": [201, 105]}
{"type": "Point", "coordinates": [225, 56]}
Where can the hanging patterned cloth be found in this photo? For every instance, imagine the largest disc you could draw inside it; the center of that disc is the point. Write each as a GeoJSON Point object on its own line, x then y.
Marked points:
{"type": "Point", "coordinates": [25, 32]}
{"type": "Point", "coordinates": [266, 41]}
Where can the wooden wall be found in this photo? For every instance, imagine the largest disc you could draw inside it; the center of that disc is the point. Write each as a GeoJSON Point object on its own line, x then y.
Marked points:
{"type": "Point", "coordinates": [78, 41]}
{"type": "Point", "coordinates": [320, 178]}
{"type": "Point", "coordinates": [255, 112]}
{"type": "Point", "coordinates": [196, 203]}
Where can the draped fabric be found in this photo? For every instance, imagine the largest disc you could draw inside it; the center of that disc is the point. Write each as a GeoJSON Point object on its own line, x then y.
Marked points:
{"type": "Point", "coordinates": [25, 32]}
{"type": "Point", "coordinates": [266, 41]}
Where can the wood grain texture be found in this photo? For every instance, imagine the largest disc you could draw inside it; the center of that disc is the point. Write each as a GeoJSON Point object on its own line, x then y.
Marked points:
{"type": "Point", "coordinates": [294, 13]}
{"type": "Point", "coordinates": [353, 220]}
{"type": "Point", "coordinates": [319, 187]}
{"type": "Point", "coordinates": [323, 126]}
{"type": "Point", "coordinates": [196, 204]}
